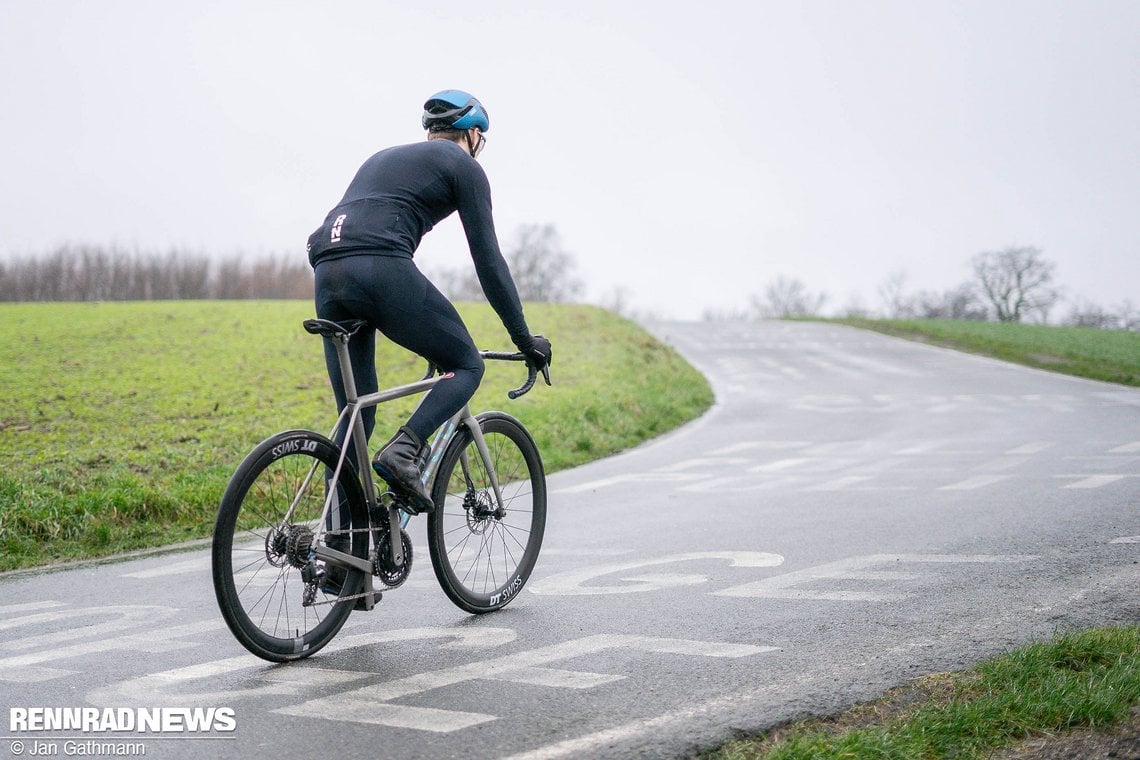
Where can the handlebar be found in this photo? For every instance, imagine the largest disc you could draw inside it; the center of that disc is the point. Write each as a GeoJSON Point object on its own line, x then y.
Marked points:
{"type": "Point", "coordinates": [532, 371]}
{"type": "Point", "coordinates": [507, 356]}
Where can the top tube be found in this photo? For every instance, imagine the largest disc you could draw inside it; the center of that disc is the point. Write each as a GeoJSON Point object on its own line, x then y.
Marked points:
{"type": "Point", "coordinates": [341, 332]}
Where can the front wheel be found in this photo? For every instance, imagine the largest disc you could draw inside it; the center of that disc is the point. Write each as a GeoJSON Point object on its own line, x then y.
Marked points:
{"type": "Point", "coordinates": [482, 550]}
{"type": "Point", "coordinates": [277, 599]}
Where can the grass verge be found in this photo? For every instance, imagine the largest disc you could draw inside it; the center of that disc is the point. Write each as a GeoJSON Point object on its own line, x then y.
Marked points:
{"type": "Point", "coordinates": [1089, 679]}
{"type": "Point", "coordinates": [1109, 355]}
{"type": "Point", "coordinates": [120, 423]}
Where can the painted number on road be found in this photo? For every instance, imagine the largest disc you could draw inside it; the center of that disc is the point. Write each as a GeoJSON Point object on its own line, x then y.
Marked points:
{"type": "Point", "coordinates": [375, 703]}
{"type": "Point", "coordinates": [822, 582]}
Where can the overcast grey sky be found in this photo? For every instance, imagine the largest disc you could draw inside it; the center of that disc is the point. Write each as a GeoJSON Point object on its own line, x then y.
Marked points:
{"type": "Point", "coordinates": [688, 152]}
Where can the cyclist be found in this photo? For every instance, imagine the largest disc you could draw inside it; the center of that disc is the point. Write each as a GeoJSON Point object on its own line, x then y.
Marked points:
{"type": "Point", "coordinates": [363, 261]}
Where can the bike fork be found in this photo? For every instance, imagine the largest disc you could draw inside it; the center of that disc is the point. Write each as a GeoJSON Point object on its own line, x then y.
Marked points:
{"type": "Point", "coordinates": [485, 454]}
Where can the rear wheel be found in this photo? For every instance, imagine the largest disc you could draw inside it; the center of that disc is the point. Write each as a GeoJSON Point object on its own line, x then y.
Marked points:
{"type": "Point", "coordinates": [280, 601]}
{"type": "Point", "coordinates": [483, 551]}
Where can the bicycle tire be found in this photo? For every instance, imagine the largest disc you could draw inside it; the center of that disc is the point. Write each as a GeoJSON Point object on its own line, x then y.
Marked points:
{"type": "Point", "coordinates": [482, 560]}
{"type": "Point", "coordinates": [257, 556]}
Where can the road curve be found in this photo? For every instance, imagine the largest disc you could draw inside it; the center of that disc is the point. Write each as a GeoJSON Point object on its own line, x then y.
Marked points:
{"type": "Point", "coordinates": [855, 511]}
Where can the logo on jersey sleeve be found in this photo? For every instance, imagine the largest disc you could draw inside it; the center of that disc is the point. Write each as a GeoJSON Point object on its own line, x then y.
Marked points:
{"type": "Point", "coordinates": [336, 227]}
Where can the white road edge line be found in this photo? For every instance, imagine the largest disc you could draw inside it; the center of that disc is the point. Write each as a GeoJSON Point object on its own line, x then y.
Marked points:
{"type": "Point", "coordinates": [583, 745]}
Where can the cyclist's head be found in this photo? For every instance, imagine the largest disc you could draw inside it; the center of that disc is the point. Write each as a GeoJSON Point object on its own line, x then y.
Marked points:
{"type": "Point", "coordinates": [456, 115]}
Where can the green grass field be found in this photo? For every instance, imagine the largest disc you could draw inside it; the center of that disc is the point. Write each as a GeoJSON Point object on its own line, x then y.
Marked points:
{"type": "Point", "coordinates": [120, 423]}
{"type": "Point", "coordinates": [1082, 680]}
{"type": "Point", "coordinates": [1110, 355]}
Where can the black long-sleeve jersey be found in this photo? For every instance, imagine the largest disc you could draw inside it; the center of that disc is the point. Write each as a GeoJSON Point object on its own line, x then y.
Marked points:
{"type": "Point", "coordinates": [399, 194]}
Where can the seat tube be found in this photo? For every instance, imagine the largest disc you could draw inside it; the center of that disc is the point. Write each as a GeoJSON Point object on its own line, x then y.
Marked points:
{"type": "Point", "coordinates": [347, 379]}
{"type": "Point", "coordinates": [356, 427]}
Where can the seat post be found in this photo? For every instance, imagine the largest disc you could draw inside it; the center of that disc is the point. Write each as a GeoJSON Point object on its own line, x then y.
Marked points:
{"type": "Point", "coordinates": [340, 342]}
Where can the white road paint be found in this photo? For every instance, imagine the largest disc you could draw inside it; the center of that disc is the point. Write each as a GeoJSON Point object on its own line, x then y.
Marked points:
{"type": "Point", "coordinates": [91, 639]}
{"type": "Point", "coordinates": [1028, 449]}
{"type": "Point", "coordinates": [585, 746]}
{"type": "Point", "coordinates": [198, 564]}
{"type": "Point", "coordinates": [374, 704]}
{"type": "Point", "coordinates": [779, 465]}
{"type": "Point", "coordinates": [576, 582]}
{"type": "Point", "coordinates": [743, 484]}
{"type": "Point", "coordinates": [1094, 481]}
{"type": "Point", "coordinates": [12, 618]}
{"type": "Point", "coordinates": [622, 578]}
{"type": "Point", "coordinates": [767, 465]}
{"type": "Point", "coordinates": [792, 585]}
{"type": "Point", "coordinates": [974, 483]}
{"type": "Point", "coordinates": [178, 686]}
{"type": "Point", "coordinates": [742, 446]}
{"type": "Point", "coordinates": [633, 477]}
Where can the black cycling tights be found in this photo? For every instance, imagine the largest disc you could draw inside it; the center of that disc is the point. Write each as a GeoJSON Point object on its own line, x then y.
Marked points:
{"type": "Point", "coordinates": [394, 297]}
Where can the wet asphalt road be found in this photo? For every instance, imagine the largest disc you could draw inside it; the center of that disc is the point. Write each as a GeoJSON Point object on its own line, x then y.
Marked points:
{"type": "Point", "coordinates": [854, 512]}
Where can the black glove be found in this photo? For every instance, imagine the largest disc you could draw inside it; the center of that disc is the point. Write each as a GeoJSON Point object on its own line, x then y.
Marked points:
{"type": "Point", "coordinates": [539, 353]}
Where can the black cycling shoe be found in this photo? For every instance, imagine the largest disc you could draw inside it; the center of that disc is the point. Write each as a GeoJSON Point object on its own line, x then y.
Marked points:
{"type": "Point", "coordinates": [401, 463]}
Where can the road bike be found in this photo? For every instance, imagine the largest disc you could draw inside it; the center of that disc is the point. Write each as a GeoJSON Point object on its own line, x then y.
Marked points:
{"type": "Point", "coordinates": [302, 530]}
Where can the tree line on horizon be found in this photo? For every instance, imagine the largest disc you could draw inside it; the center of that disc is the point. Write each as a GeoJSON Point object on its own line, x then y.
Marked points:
{"type": "Point", "coordinates": [1014, 284]}
{"type": "Point", "coordinates": [543, 271]}
{"type": "Point", "coordinates": [96, 273]}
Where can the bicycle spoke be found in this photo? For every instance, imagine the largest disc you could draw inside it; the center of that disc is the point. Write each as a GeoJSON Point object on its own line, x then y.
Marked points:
{"type": "Point", "coordinates": [270, 518]}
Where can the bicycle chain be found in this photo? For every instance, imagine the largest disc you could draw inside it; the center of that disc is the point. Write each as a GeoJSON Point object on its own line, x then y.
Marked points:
{"type": "Point", "coordinates": [361, 595]}
{"type": "Point", "coordinates": [340, 599]}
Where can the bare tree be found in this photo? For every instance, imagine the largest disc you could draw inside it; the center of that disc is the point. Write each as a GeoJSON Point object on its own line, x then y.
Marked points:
{"type": "Point", "coordinates": [459, 283]}
{"type": "Point", "coordinates": [542, 269]}
{"type": "Point", "coordinates": [1128, 316]}
{"type": "Point", "coordinates": [617, 300]}
{"type": "Point", "coordinates": [787, 297]}
{"type": "Point", "coordinates": [854, 307]}
{"type": "Point", "coordinates": [1124, 316]}
{"type": "Point", "coordinates": [896, 303]}
{"type": "Point", "coordinates": [1089, 314]}
{"type": "Point", "coordinates": [957, 303]}
{"type": "Point", "coordinates": [1016, 281]}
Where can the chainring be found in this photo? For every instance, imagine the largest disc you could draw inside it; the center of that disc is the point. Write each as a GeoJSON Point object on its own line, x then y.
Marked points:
{"type": "Point", "coordinates": [382, 566]}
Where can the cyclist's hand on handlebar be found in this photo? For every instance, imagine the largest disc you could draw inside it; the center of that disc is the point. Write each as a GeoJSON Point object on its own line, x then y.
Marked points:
{"type": "Point", "coordinates": [540, 355]}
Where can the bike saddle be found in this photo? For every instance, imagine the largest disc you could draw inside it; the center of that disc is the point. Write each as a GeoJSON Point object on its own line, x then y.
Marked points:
{"type": "Point", "coordinates": [330, 329]}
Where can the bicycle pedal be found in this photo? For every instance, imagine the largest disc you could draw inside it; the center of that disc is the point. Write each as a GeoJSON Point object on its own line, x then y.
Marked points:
{"type": "Point", "coordinates": [413, 504]}
{"type": "Point", "coordinates": [405, 499]}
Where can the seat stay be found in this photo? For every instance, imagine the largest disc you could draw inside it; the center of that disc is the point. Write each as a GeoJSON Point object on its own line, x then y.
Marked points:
{"type": "Point", "coordinates": [352, 411]}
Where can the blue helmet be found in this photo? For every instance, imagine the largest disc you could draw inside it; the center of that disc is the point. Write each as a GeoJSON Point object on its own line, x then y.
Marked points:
{"type": "Point", "coordinates": [454, 109]}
